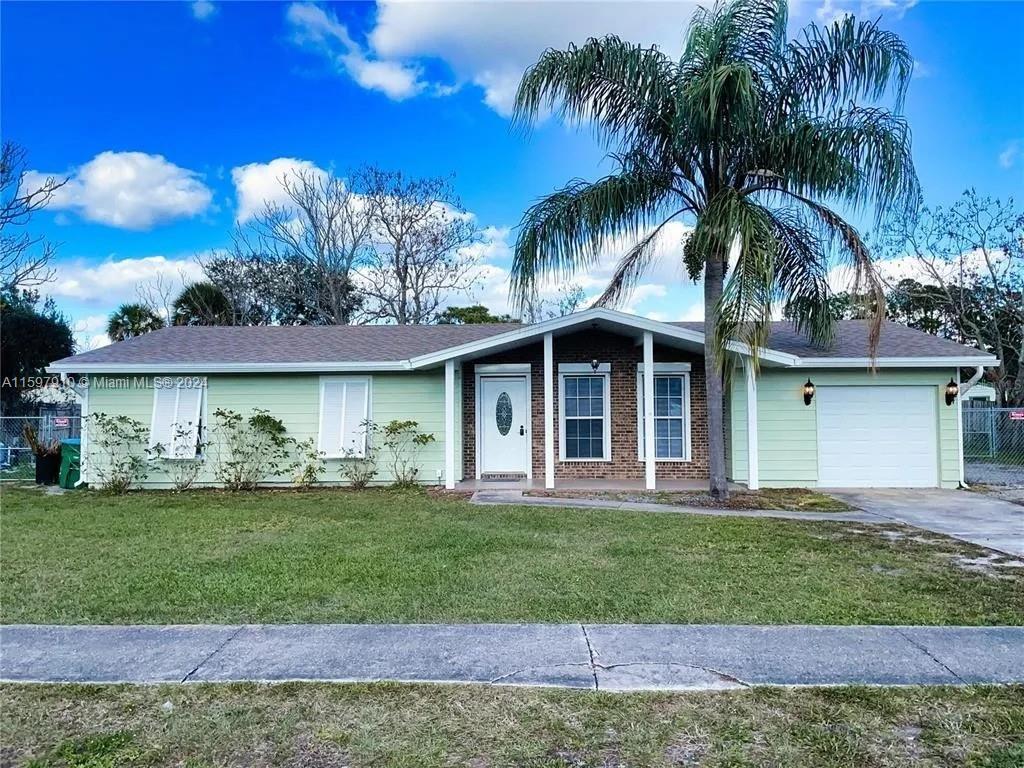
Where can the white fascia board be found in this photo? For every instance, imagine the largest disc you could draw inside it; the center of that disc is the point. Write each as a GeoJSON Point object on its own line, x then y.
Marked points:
{"type": "Point", "coordinates": [895, 362]}
{"type": "Point", "coordinates": [530, 332]}
{"type": "Point", "coordinates": [170, 368]}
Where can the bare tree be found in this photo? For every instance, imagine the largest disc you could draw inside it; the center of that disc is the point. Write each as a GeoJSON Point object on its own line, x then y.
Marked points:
{"type": "Point", "coordinates": [535, 308]}
{"type": "Point", "coordinates": [315, 238]}
{"type": "Point", "coordinates": [972, 258]}
{"type": "Point", "coordinates": [419, 255]}
{"type": "Point", "coordinates": [24, 257]}
{"type": "Point", "coordinates": [158, 295]}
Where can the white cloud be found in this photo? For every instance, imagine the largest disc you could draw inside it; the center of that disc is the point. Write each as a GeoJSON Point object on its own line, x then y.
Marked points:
{"type": "Point", "coordinates": [491, 44]}
{"type": "Point", "coordinates": [665, 275]}
{"type": "Point", "coordinates": [321, 31]}
{"type": "Point", "coordinates": [116, 280]}
{"type": "Point", "coordinates": [1010, 154]}
{"type": "Point", "coordinates": [129, 190]}
{"type": "Point", "coordinates": [257, 184]}
{"type": "Point", "coordinates": [91, 332]}
{"type": "Point", "coordinates": [203, 9]}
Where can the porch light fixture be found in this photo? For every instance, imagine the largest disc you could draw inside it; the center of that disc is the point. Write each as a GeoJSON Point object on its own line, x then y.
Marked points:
{"type": "Point", "coordinates": [808, 392]}
{"type": "Point", "coordinates": [594, 365]}
{"type": "Point", "coordinates": [952, 390]}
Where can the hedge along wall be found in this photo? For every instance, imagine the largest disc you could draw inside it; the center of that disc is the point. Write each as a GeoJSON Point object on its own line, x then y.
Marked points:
{"type": "Point", "coordinates": [292, 398]}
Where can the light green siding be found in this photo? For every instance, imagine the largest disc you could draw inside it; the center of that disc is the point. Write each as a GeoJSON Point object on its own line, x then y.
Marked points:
{"type": "Point", "coordinates": [295, 399]}
{"type": "Point", "coordinates": [787, 429]}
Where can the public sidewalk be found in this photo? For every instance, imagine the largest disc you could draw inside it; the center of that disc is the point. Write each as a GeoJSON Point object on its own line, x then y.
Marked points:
{"type": "Point", "coordinates": [601, 656]}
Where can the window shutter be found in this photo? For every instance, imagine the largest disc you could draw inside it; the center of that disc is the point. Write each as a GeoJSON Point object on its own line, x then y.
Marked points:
{"type": "Point", "coordinates": [353, 431]}
{"type": "Point", "coordinates": [332, 403]}
{"type": "Point", "coordinates": [185, 431]}
{"type": "Point", "coordinates": [160, 431]}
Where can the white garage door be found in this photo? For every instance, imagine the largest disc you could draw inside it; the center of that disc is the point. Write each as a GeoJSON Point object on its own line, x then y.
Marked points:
{"type": "Point", "coordinates": [882, 437]}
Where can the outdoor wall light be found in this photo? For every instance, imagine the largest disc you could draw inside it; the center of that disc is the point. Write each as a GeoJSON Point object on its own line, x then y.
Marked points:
{"type": "Point", "coordinates": [808, 392]}
{"type": "Point", "coordinates": [594, 365]}
{"type": "Point", "coordinates": [952, 390]}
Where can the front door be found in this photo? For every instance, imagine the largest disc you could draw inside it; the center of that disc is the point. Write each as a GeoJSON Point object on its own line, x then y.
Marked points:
{"type": "Point", "coordinates": [504, 425]}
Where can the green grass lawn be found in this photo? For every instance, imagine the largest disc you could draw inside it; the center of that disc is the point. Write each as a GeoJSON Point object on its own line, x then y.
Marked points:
{"type": "Point", "coordinates": [380, 556]}
{"type": "Point", "coordinates": [396, 725]}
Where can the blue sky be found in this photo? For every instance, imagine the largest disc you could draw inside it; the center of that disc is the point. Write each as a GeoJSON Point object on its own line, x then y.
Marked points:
{"type": "Point", "coordinates": [166, 115]}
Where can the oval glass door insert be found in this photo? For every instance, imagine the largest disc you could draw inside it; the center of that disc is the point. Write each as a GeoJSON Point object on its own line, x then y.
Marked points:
{"type": "Point", "coordinates": [503, 413]}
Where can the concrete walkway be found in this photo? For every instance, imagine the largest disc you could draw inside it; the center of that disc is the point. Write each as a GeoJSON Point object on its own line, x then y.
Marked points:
{"type": "Point", "coordinates": [595, 656]}
{"type": "Point", "coordinates": [971, 517]}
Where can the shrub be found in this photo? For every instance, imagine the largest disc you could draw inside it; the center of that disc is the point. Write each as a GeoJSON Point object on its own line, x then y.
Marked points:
{"type": "Point", "coordinates": [120, 443]}
{"type": "Point", "coordinates": [359, 470]}
{"type": "Point", "coordinates": [183, 471]}
{"type": "Point", "coordinates": [309, 465]}
{"type": "Point", "coordinates": [402, 443]}
{"type": "Point", "coordinates": [249, 450]}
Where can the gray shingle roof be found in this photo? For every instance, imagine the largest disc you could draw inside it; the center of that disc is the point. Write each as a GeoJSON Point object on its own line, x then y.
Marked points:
{"type": "Point", "coordinates": [852, 341]}
{"type": "Point", "coordinates": [392, 343]}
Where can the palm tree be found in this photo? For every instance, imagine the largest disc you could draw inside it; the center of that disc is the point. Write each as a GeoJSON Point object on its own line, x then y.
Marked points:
{"type": "Point", "coordinates": [131, 320]}
{"type": "Point", "coordinates": [202, 303]}
{"type": "Point", "coordinates": [751, 137]}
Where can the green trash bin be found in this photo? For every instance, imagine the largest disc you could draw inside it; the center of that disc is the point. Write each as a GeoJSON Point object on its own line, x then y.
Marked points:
{"type": "Point", "coordinates": [70, 462]}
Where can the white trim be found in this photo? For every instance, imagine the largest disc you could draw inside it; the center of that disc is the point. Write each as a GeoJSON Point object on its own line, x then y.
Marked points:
{"type": "Point", "coordinates": [163, 368]}
{"type": "Point", "coordinates": [503, 368]}
{"type": "Point", "coordinates": [83, 435]}
{"type": "Point", "coordinates": [449, 424]}
{"type": "Point", "coordinates": [528, 332]}
{"type": "Point", "coordinates": [682, 370]}
{"type": "Point", "coordinates": [667, 367]}
{"type": "Point", "coordinates": [549, 412]}
{"type": "Point", "coordinates": [367, 411]}
{"type": "Point", "coordinates": [650, 460]}
{"type": "Point", "coordinates": [894, 362]}
{"type": "Point", "coordinates": [518, 371]}
{"type": "Point", "coordinates": [753, 470]}
{"type": "Point", "coordinates": [961, 393]}
{"type": "Point", "coordinates": [573, 370]}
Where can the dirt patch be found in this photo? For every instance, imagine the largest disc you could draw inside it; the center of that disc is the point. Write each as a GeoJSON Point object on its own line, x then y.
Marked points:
{"type": "Point", "coordinates": [775, 499]}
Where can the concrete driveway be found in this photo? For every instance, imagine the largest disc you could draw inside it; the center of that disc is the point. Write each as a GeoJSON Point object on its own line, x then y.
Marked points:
{"type": "Point", "coordinates": [964, 515]}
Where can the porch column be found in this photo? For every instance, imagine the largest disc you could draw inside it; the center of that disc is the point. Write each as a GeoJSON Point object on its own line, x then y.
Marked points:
{"type": "Point", "coordinates": [650, 472]}
{"type": "Point", "coordinates": [549, 412]}
{"type": "Point", "coordinates": [753, 471]}
{"type": "Point", "coordinates": [449, 424]}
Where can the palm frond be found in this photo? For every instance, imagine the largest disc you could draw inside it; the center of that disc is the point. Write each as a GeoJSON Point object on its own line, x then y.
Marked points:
{"type": "Point", "coordinates": [844, 61]}
{"type": "Point", "coordinates": [624, 89]}
{"type": "Point", "coordinates": [632, 266]}
{"type": "Point", "coordinates": [801, 276]}
{"type": "Point", "coordinates": [858, 155]}
{"type": "Point", "coordinates": [865, 285]}
{"type": "Point", "coordinates": [565, 231]}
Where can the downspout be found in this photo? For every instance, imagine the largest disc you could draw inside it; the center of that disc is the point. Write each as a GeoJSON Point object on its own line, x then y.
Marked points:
{"type": "Point", "coordinates": [964, 388]}
{"type": "Point", "coordinates": [82, 393]}
{"type": "Point", "coordinates": [972, 381]}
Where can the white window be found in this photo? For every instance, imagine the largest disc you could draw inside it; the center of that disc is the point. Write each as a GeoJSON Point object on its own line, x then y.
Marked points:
{"type": "Point", "coordinates": [178, 415]}
{"type": "Point", "coordinates": [584, 405]}
{"type": "Point", "coordinates": [671, 411]}
{"type": "Point", "coordinates": [344, 410]}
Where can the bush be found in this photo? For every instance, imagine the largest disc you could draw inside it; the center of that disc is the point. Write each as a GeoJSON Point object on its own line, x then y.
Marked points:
{"type": "Point", "coordinates": [309, 465]}
{"type": "Point", "coordinates": [402, 443]}
{"type": "Point", "coordinates": [359, 470]}
{"type": "Point", "coordinates": [249, 450]}
{"type": "Point", "coordinates": [121, 443]}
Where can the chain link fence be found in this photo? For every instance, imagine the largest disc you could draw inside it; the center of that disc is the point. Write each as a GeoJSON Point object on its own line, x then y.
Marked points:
{"type": "Point", "coordinates": [993, 444]}
{"type": "Point", "coordinates": [16, 459]}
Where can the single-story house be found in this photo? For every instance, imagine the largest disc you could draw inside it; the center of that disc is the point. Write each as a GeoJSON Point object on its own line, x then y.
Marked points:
{"type": "Point", "coordinates": [594, 396]}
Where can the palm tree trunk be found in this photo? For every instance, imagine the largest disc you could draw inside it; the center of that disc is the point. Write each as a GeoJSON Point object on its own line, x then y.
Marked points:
{"type": "Point", "coordinates": [714, 279]}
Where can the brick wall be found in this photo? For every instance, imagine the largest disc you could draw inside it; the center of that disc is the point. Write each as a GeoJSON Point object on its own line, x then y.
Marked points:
{"type": "Point", "coordinates": [623, 354]}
